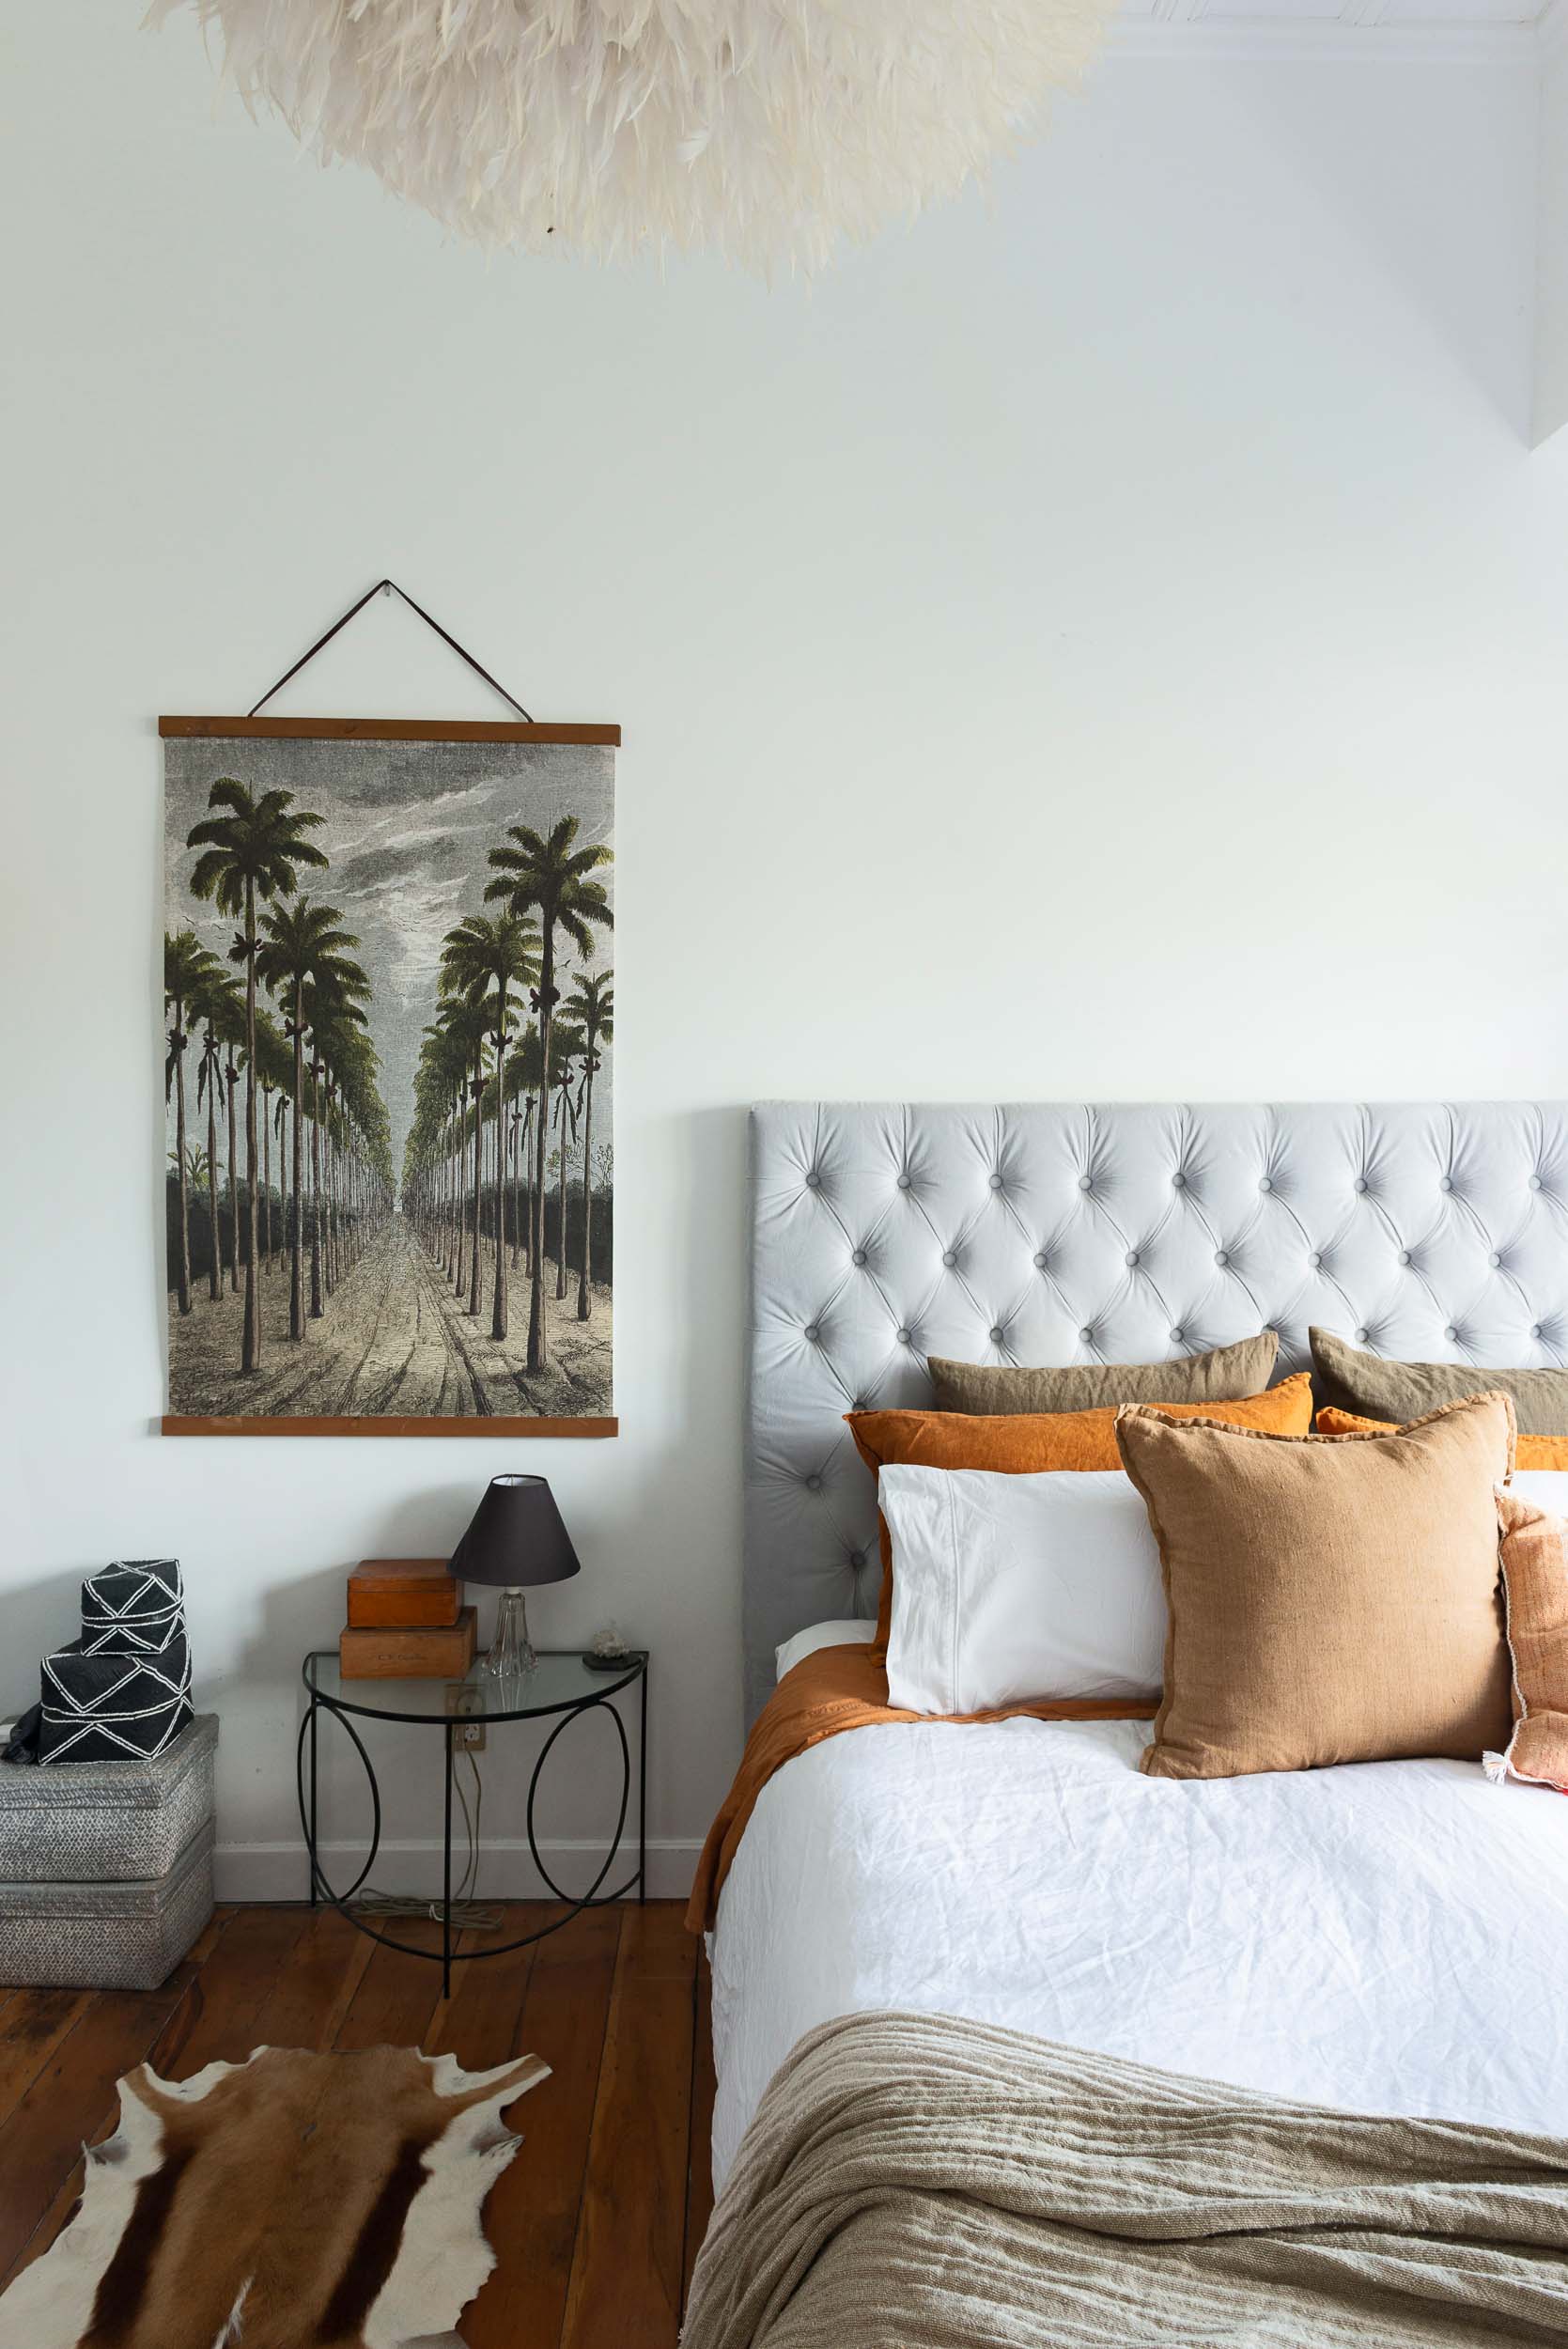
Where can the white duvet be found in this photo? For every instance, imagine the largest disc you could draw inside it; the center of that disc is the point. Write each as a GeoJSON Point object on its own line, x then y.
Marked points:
{"type": "Point", "coordinates": [1391, 1936]}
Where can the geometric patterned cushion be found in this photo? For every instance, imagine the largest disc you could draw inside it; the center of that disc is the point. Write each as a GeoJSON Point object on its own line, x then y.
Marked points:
{"type": "Point", "coordinates": [113, 1707]}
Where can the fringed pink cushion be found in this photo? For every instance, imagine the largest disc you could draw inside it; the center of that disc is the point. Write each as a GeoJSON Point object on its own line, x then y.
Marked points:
{"type": "Point", "coordinates": [1534, 1556]}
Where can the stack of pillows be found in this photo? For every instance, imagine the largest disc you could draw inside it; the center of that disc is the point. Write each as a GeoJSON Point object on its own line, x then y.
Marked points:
{"type": "Point", "coordinates": [1391, 1583]}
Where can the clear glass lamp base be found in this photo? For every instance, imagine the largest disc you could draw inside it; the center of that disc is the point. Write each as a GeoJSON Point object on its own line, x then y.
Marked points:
{"type": "Point", "coordinates": [510, 1658]}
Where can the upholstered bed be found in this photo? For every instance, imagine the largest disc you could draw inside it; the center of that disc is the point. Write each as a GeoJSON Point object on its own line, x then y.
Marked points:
{"type": "Point", "coordinates": [1382, 1938]}
{"type": "Point", "coordinates": [1117, 1233]}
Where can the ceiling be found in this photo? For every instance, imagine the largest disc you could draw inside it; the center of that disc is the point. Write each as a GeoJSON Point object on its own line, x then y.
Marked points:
{"type": "Point", "coordinates": [1340, 27]}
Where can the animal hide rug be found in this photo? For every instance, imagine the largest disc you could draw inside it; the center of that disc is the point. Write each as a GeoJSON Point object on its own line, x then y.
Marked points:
{"type": "Point", "coordinates": [294, 2202]}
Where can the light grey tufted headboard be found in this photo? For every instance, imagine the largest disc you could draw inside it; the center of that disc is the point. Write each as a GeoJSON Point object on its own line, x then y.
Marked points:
{"type": "Point", "coordinates": [1125, 1233]}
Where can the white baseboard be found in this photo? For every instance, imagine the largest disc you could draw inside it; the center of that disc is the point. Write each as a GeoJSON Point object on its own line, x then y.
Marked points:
{"type": "Point", "coordinates": [277, 1872]}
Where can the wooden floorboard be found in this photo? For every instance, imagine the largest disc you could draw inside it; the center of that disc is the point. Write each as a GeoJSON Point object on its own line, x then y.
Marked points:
{"type": "Point", "coordinates": [31, 2027]}
{"type": "Point", "coordinates": [626, 2278]}
{"type": "Point", "coordinates": [699, 2155]}
{"type": "Point", "coordinates": [311, 1995]}
{"type": "Point", "coordinates": [479, 2023]}
{"type": "Point", "coordinates": [599, 2218]}
{"type": "Point", "coordinates": [533, 2208]}
{"type": "Point", "coordinates": [66, 2105]}
{"type": "Point", "coordinates": [221, 2020]}
{"type": "Point", "coordinates": [399, 1994]}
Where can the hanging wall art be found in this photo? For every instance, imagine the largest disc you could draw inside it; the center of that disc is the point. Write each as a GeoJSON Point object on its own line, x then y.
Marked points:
{"type": "Point", "coordinates": [388, 1054]}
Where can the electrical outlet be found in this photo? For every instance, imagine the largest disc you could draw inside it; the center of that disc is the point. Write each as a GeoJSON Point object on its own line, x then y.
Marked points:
{"type": "Point", "coordinates": [462, 1698]}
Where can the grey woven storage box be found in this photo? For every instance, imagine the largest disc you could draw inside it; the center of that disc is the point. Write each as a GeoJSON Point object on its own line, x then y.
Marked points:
{"type": "Point", "coordinates": [106, 1936]}
{"type": "Point", "coordinates": [105, 1822]}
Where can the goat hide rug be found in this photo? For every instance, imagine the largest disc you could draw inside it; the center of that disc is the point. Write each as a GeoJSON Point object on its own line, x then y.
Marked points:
{"type": "Point", "coordinates": [293, 2202]}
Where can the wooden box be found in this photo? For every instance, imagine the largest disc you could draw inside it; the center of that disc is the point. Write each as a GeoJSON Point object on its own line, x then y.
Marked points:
{"type": "Point", "coordinates": [420, 1652]}
{"type": "Point", "coordinates": [387, 1593]}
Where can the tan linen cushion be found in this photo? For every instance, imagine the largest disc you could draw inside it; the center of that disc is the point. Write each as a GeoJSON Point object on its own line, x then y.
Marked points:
{"type": "Point", "coordinates": [1534, 1555]}
{"type": "Point", "coordinates": [1376, 1387]}
{"type": "Point", "coordinates": [1332, 1598]}
{"type": "Point", "coordinates": [1220, 1375]}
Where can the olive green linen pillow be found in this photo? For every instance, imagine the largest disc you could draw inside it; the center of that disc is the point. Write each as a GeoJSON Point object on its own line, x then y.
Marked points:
{"type": "Point", "coordinates": [1349, 1380]}
{"type": "Point", "coordinates": [1331, 1599]}
{"type": "Point", "coordinates": [999, 1391]}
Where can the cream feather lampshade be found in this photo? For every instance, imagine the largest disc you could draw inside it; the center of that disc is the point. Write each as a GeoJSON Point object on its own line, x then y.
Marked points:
{"type": "Point", "coordinates": [767, 131]}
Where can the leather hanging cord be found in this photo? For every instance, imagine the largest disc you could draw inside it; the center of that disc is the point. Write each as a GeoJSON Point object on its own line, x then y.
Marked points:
{"type": "Point", "coordinates": [388, 588]}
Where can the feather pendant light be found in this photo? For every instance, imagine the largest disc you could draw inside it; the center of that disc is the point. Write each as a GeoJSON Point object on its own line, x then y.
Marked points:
{"type": "Point", "coordinates": [771, 132]}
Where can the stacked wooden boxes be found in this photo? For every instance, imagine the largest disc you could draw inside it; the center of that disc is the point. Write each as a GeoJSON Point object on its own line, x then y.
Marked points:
{"type": "Point", "coordinates": [407, 1621]}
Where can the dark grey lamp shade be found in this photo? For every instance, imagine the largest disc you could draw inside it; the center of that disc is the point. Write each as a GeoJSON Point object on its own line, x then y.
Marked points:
{"type": "Point", "coordinates": [516, 1538]}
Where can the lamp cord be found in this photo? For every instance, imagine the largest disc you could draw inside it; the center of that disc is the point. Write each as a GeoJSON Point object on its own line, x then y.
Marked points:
{"type": "Point", "coordinates": [468, 1910]}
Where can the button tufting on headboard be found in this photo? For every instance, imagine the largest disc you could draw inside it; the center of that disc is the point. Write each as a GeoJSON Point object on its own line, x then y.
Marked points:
{"type": "Point", "coordinates": [1063, 1233]}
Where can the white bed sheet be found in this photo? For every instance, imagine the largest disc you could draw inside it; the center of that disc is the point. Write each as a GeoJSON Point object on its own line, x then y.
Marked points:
{"type": "Point", "coordinates": [1389, 1937]}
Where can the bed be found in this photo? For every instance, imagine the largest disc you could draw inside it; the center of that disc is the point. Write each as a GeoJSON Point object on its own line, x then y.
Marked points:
{"type": "Point", "coordinates": [1388, 1936]}
{"type": "Point", "coordinates": [1383, 1939]}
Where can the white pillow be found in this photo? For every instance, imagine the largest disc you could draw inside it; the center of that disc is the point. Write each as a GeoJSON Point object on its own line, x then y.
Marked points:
{"type": "Point", "coordinates": [1011, 1588]}
{"type": "Point", "coordinates": [1546, 1487]}
{"type": "Point", "coordinates": [804, 1643]}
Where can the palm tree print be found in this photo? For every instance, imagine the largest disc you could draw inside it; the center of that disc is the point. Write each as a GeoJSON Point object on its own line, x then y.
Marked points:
{"type": "Point", "coordinates": [387, 1072]}
{"type": "Point", "coordinates": [332, 1005]}
{"type": "Point", "coordinates": [526, 1082]}
{"type": "Point", "coordinates": [592, 1005]}
{"type": "Point", "coordinates": [302, 941]}
{"type": "Point", "coordinates": [186, 965]}
{"type": "Point", "coordinates": [483, 962]}
{"type": "Point", "coordinates": [251, 850]}
{"type": "Point", "coordinates": [466, 1028]}
{"type": "Point", "coordinates": [546, 874]}
{"type": "Point", "coordinates": [280, 1123]}
{"type": "Point", "coordinates": [566, 1050]}
{"type": "Point", "coordinates": [214, 1004]}
{"type": "Point", "coordinates": [231, 1087]}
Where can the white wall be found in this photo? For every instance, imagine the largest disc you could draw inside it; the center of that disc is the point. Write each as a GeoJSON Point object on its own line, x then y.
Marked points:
{"type": "Point", "coordinates": [1550, 405]}
{"type": "Point", "coordinates": [1105, 644]}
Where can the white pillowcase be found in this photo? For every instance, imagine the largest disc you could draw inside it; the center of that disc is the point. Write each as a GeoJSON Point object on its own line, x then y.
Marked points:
{"type": "Point", "coordinates": [1012, 1588]}
{"type": "Point", "coordinates": [1546, 1487]}
{"type": "Point", "coordinates": [803, 1644]}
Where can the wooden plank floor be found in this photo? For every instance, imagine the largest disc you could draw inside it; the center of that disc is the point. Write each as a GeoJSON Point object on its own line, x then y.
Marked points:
{"type": "Point", "coordinates": [597, 2221]}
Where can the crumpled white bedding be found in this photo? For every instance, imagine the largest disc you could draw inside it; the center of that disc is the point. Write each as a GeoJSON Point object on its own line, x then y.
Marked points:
{"type": "Point", "coordinates": [1388, 1936]}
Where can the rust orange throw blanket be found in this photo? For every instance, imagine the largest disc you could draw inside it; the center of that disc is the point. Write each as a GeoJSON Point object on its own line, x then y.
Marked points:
{"type": "Point", "coordinates": [835, 1690]}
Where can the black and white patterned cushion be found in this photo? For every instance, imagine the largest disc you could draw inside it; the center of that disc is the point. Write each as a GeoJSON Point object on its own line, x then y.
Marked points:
{"type": "Point", "coordinates": [113, 1707]}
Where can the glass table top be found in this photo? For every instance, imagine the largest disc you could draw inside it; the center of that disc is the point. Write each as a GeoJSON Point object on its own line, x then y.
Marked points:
{"type": "Point", "coordinates": [559, 1681]}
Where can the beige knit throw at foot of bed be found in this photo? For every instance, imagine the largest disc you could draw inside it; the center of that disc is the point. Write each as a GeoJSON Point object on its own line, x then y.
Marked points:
{"type": "Point", "coordinates": [913, 2182]}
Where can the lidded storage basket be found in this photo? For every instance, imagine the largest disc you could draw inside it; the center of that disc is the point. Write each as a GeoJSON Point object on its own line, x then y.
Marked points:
{"type": "Point", "coordinates": [106, 1849]}
{"type": "Point", "coordinates": [106, 1822]}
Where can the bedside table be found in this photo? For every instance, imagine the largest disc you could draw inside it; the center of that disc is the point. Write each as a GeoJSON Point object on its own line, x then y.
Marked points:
{"type": "Point", "coordinates": [561, 1686]}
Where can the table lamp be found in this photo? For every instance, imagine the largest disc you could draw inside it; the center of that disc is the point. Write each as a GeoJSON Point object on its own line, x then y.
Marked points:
{"type": "Point", "coordinates": [516, 1541]}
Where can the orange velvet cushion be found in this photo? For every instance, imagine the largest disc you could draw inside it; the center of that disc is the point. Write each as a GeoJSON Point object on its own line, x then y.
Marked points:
{"type": "Point", "coordinates": [1028, 1443]}
{"type": "Point", "coordinates": [1534, 1451]}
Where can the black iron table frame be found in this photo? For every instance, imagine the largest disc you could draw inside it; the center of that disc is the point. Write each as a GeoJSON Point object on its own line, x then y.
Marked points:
{"type": "Point", "coordinates": [571, 1709]}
